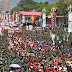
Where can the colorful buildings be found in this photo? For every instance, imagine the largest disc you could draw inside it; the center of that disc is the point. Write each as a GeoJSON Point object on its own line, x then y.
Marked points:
{"type": "Point", "coordinates": [5, 5]}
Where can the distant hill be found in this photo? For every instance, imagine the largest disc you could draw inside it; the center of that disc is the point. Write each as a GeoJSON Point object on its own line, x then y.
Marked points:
{"type": "Point", "coordinates": [50, 1]}
{"type": "Point", "coordinates": [15, 2]}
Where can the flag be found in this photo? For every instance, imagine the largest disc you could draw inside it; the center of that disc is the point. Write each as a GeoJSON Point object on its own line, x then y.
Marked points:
{"type": "Point", "coordinates": [7, 16]}
{"type": "Point", "coordinates": [11, 31]}
{"type": "Point", "coordinates": [16, 43]}
{"type": "Point", "coordinates": [18, 19]}
{"type": "Point", "coordinates": [32, 19]}
{"type": "Point", "coordinates": [13, 16]}
{"type": "Point", "coordinates": [53, 20]}
{"type": "Point", "coordinates": [16, 30]}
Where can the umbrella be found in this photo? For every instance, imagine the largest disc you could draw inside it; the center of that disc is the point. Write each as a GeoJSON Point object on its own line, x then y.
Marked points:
{"type": "Point", "coordinates": [15, 66]}
{"type": "Point", "coordinates": [20, 63]}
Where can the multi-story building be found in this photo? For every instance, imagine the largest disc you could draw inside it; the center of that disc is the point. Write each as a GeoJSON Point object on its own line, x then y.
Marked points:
{"type": "Point", "coordinates": [5, 5]}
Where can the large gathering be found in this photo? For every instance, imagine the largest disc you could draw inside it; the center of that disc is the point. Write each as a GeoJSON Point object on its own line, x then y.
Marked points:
{"type": "Point", "coordinates": [35, 41]}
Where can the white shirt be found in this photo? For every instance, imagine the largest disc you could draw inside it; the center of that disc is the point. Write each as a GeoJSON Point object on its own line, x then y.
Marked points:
{"type": "Point", "coordinates": [60, 68]}
{"type": "Point", "coordinates": [27, 27]}
{"type": "Point", "coordinates": [30, 27]}
{"type": "Point", "coordinates": [65, 68]}
{"type": "Point", "coordinates": [55, 66]}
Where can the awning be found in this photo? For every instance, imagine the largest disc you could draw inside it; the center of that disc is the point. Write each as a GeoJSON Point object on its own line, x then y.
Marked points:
{"type": "Point", "coordinates": [56, 16]}
{"type": "Point", "coordinates": [29, 13]}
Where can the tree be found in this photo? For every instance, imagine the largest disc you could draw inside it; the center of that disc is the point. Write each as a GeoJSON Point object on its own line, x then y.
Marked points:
{"type": "Point", "coordinates": [63, 7]}
{"type": "Point", "coordinates": [41, 3]}
{"type": "Point", "coordinates": [46, 2]}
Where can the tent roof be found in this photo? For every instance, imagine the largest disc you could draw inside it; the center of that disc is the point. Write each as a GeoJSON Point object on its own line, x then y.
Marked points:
{"type": "Point", "coordinates": [30, 13]}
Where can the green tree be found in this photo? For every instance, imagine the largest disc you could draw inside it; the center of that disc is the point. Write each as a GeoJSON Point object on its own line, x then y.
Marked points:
{"type": "Point", "coordinates": [46, 2]}
{"type": "Point", "coordinates": [41, 3]}
{"type": "Point", "coordinates": [63, 7]}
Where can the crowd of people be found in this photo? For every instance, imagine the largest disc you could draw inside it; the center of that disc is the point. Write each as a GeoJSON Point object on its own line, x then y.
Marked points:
{"type": "Point", "coordinates": [35, 52]}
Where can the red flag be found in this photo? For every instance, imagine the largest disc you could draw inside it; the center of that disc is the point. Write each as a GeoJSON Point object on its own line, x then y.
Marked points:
{"type": "Point", "coordinates": [19, 32]}
{"type": "Point", "coordinates": [2, 30]}
{"type": "Point", "coordinates": [14, 31]}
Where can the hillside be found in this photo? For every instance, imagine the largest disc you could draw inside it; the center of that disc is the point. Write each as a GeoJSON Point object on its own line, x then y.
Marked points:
{"type": "Point", "coordinates": [29, 5]}
{"type": "Point", "coordinates": [50, 1]}
{"type": "Point", "coordinates": [15, 2]}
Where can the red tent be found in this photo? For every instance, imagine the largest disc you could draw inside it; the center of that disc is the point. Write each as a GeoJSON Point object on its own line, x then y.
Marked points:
{"type": "Point", "coordinates": [29, 13]}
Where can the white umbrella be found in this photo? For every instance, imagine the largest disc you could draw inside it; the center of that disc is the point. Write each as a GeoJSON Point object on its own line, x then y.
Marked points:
{"type": "Point", "coordinates": [15, 66]}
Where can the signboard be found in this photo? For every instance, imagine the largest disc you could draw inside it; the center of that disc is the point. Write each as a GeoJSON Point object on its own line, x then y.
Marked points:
{"type": "Point", "coordinates": [70, 22]}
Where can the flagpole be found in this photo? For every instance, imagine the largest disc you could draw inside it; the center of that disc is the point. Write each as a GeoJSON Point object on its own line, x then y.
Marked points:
{"type": "Point", "coordinates": [53, 11]}
{"type": "Point", "coordinates": [69, 8]}
{"type": "Point", "coordinates": [44, 18]}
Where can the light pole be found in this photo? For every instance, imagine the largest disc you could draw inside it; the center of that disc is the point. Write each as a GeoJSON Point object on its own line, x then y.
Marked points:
{"type": "Point", "coordinates": [53, 9]}
{"type": "Point", "coordinates": [70, 7]}
{"type": "Point", "coordinates": [69, 19]}
{"type": "Point", "coordinates": [44, 18]}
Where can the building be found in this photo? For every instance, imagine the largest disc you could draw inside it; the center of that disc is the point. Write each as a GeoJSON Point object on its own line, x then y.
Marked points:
{"type": "Point", "coordinates": [59, 19]}
{"type": "Point", "coordinates": [5, 5]}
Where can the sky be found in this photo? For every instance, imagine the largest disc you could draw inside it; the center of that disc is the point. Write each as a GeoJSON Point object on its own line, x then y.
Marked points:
{"type": "Point", "coordinates": [15, 2]}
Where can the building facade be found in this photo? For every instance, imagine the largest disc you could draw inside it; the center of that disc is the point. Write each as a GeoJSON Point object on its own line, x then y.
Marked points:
{"type": "Point", "coordinates": [5, 5]}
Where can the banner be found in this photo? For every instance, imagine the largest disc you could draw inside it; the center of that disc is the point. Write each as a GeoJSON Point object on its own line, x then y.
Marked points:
{"type": "Point", "coordinates": [11, 31]}
{"type": "Point", "coordinates": [53, 20]}
{"type": "Point", "coordinates": [1, 16]}
{"type": "Point", "coordinates": [32, 19]}
{"type": "Point", "coordinates": [7, 17]}
{"type": "Point", "coordinates": [44, 20]}
{"type": "Point", "coordinates": [16, 17]}
{"type": "Point", "coordinates": [23, 19]}
{"type": "Point", "coordinates": [13, 16]}
{"type": "Point", "coordinates": [70, 22]}
{"type": "Point", "coordinates": [4, 17]}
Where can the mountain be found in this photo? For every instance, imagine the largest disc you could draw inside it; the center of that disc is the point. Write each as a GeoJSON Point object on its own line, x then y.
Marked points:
{"type": "Point", "coordinates": [15, 2]}
{"type": "Point", "coordinates": [50, 1]}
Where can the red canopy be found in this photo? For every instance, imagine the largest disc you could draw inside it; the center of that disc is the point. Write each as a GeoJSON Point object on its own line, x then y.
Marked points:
{"type": "Point", "coordinates": [30, 13]}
